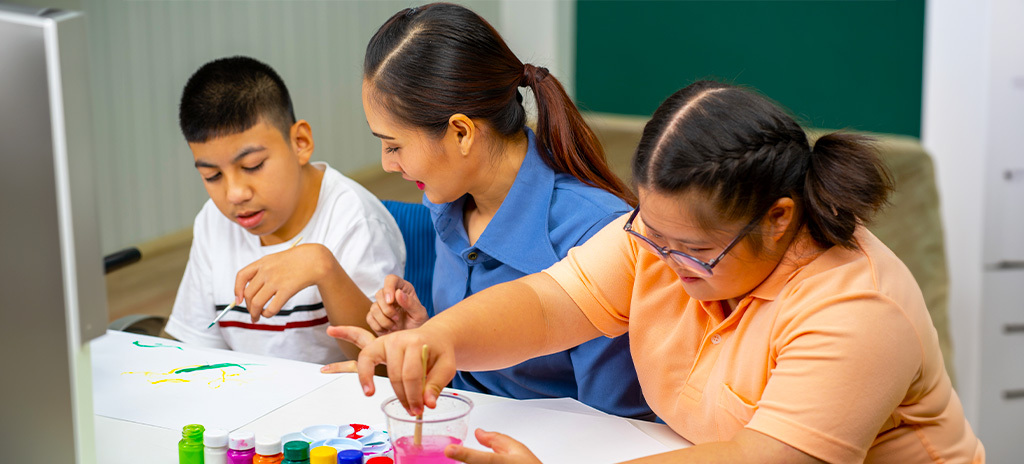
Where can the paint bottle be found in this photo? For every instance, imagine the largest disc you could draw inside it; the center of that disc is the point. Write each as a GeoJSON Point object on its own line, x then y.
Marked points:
{"type": "Point", "coordinates": [268, 451]}
{"type": "Point", "coordinates": [323, 455]}
{"type": "Point", "coordinates": [350, 456]}
{"type": "Point", "coordinates": [296, 452]}
{"type": "Point", "coordinates": [241, 446]}
{"type": "Point", "coordinates": [380, 460]}
{"type": "Point", "coordinates": [216, 442]}
{"type": "Point", "coordinates": [190, 448]}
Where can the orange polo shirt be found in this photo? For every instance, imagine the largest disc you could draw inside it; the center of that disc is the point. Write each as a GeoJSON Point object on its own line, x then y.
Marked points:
{"type": "Point", "coordinates": [834, 354]}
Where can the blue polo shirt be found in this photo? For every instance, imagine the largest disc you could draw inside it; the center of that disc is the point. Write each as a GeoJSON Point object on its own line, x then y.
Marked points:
{"type": "Point", "coordinates": [543, 216]}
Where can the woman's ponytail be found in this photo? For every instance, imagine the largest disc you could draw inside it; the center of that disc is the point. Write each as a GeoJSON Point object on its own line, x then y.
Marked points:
{"type": "Point", "coordinates": [845, 185]}
{"type": "Point", "coordinates": [568, 141]}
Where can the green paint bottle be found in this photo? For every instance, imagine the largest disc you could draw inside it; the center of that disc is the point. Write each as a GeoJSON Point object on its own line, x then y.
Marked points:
{"type": "Point", "coordinates": [296, 452]}
{"type": "Point", "coordinates": [190, 448]}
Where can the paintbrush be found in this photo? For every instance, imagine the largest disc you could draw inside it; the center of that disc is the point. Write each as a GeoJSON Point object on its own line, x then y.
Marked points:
{"type": "Point", "coordinates": [417, 436]}
{"type": "Point", "coordinates": [232, 305]}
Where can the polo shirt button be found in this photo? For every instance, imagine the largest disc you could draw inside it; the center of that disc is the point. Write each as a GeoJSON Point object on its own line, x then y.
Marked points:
{"type": "Point", "coordinates": [472, 256]}
{"type": "Point", "coordinates": [716, 339]}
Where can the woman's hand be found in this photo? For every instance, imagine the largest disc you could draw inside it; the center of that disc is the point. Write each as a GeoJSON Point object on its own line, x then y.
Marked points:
{"type": "Point", "coordinates": [267, 283]}
{"type": "Point", "coordinates": [506, 450]}
{"type": "Point", "coordinates": [396, 307]}
{"type": "Point", "coordinates": [401, 352]}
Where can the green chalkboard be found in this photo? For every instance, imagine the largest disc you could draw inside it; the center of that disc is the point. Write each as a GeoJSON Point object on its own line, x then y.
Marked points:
{"type": "Point", "coordinates": [835, 64]}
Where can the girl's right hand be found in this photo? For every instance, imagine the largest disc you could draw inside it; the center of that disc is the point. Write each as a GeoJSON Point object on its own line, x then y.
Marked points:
{"type": "Point", "coordinates": [402, 353]}
{"type": "Point", "coordinates": [396, 307]}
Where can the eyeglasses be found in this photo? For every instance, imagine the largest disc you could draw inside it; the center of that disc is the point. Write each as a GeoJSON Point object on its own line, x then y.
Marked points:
{"type": "Point", "coordinates": [690, 262]}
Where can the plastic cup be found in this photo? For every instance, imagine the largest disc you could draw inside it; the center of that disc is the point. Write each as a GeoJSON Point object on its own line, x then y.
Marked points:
{"type": "Point", "coordinates": [444, 425]}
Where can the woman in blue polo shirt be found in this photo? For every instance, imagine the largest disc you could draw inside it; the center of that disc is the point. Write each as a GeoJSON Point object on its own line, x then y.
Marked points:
{"type": "Point", "coordinates": [441, 91]}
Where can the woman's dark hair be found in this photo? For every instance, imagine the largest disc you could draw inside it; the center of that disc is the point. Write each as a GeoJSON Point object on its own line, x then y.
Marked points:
{"type": "Point", "coordinates": [230, 95]}
{"type": "Point", "coordinates": [428, 63]}
{"type": "Point", "coordinates": [745, 152]}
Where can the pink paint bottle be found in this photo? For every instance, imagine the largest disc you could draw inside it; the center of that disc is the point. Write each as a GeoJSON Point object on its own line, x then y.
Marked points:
{"type": "Point", "coordinates": [241, 447]}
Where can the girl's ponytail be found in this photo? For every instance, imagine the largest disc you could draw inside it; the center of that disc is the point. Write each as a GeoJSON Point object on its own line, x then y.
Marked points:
{"type": "Point", "coordinates": [569, 143]}
{"type": "Point", "coordinates": [845, 184]}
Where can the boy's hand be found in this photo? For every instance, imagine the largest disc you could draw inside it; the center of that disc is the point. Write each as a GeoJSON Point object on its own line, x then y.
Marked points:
{"type": "Point", "coordinates": [397, 307]}
{"type": "Point", "coordinates": [269, 282]}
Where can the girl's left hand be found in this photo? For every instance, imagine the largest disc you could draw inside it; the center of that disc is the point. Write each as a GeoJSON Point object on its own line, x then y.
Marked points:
{"type": "Point", "coordinates": [506, 450]}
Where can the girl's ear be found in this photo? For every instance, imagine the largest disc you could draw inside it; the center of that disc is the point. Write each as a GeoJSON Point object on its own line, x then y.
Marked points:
{"type": "Point", "coordinates": [780, 216]}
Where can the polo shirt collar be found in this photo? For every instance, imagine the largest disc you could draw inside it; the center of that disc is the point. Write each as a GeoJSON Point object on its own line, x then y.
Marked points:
{"type": "Point", "coordinates": [798, 255]}
{"type": "Point", "coordinates": [518, 235]}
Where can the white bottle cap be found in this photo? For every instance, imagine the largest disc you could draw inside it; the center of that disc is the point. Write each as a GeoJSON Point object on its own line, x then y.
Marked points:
{"type": "Point", "coordinates": [215, 438]}
{"type": "Point", "coordinates": [241, 440]}
{"type": "Point", "coordinates": [268, 446]}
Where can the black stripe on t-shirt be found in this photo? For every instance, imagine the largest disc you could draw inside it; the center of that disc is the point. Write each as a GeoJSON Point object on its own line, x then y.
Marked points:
{"type": "Point", "coordinates": [283, 312]}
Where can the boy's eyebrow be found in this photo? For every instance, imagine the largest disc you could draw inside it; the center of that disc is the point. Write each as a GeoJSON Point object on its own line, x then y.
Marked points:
{"type": "Point", "coordinates": [382, 136]}
{"type": "Point", "coordinates": [241, 154]}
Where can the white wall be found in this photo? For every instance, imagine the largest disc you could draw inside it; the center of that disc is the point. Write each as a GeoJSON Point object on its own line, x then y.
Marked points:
{"type": "Point", "coordinates": [954, 130]}
{"type": "Point", "coordinates": [142, 52]}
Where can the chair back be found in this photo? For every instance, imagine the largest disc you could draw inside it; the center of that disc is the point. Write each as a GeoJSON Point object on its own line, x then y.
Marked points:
{"type": "Point", "coordinates": [418, 234]}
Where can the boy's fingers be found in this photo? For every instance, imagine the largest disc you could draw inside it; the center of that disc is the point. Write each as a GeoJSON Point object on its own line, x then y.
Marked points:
{"type": "Point", "coordinates": [243, 277]}
{"type": "Point", "coordinates": [259, 302]}
{"type": "Point", "coordinates": [274, 305]}
{"type": "Point", "coordinates": [340, 367]}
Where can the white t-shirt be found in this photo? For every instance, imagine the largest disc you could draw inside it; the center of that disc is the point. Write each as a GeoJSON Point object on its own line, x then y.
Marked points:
{"type": "Point", "coordinates": [348, 220]}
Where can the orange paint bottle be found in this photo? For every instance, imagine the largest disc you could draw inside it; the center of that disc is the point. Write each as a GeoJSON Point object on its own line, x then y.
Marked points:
{"type": "Point", "coordinates": [268, 451]}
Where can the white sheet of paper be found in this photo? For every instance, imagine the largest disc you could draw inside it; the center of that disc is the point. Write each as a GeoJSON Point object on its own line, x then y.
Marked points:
{"type": "Point", "coordinates": [558, 436]}
{"type": "Point", "coordinates": [160, 382]}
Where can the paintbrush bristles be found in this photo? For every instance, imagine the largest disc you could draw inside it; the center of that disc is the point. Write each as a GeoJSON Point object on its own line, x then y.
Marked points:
{"type": "Point", "coordinates": [417, 437]}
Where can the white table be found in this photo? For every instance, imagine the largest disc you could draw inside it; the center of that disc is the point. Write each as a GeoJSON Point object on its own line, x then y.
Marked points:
{"type": "Point", "coordinates": [340, 402]}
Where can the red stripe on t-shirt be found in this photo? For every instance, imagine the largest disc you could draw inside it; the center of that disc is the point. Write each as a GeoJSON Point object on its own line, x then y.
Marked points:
{"type": "Point", "coordinates": [274, 328]}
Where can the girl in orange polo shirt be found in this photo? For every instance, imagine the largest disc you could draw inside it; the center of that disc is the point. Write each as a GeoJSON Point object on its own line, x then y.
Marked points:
{"type": "Point", "coordinates": [766, 323]}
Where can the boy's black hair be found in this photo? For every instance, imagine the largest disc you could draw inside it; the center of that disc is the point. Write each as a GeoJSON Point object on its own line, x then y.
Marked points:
{"type": "Point", "coordinates": [230, 95]}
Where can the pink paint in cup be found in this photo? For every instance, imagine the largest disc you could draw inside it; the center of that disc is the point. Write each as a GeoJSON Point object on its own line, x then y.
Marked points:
{"type": "Point", "coordinates": [442, 426]}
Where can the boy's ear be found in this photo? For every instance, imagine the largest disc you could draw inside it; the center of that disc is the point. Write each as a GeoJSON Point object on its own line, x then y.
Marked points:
{"type": "Point", "coordinates": [301, 135]}
{"type": "Point", "coordinates": [463, 130]}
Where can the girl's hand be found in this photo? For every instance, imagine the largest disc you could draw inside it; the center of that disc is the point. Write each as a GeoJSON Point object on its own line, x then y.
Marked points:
{"type": "Point", "coordinates": [401, 352]}
{"type": "Point", "coordinates": [506, 450]}
{"type": "Point", "coordinates": [396, 307]}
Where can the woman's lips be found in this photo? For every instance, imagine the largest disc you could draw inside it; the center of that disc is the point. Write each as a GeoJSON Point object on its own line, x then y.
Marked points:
{"type": "Point", "coordinates": [690, 279]}
{"type": "Point", "coordinates": [250, 220]}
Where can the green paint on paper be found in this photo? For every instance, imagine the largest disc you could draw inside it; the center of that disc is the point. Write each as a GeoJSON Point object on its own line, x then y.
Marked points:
{"type": "Point", "coordinates": [208, 367]}
{"type": "Point", "coordinates": [158, 345]}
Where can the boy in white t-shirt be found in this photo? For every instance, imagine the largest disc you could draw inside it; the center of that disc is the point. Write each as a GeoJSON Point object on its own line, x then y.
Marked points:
{"type": "Point", "coordinates": [265, 195]}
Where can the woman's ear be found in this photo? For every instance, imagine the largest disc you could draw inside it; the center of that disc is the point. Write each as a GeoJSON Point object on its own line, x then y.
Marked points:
{"type": "Point", "coordinates": [301, 135]}
{"type": "Point", "coordinates": [780, 216]}
{"type": "Point", "coordinates": [464, 132]}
